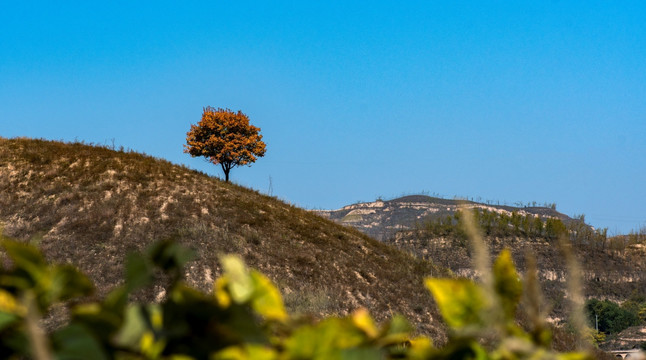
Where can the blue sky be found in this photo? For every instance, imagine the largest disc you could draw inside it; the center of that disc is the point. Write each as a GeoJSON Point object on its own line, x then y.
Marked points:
{"type": "Point", "coordinates": [502, 100]}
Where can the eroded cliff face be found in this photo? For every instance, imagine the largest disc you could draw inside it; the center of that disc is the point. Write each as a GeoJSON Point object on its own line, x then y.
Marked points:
{"type": "Point", "coordinates": [383, 219]}
{"type": "Point", "coordinates": [607, 273]}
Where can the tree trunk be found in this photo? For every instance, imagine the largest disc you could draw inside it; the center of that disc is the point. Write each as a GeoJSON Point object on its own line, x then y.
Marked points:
{"type": "Point", "coordinates": [226, 169]}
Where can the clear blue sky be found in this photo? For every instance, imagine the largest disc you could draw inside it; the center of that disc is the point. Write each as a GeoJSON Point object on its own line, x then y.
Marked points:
{"type": "Point", "coordinates": [503, 100]}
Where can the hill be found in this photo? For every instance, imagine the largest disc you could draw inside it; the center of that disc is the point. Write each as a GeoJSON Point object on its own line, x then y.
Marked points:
{"type": "Point", "coordinates": [382, 219]}
{"type": "Point", "coordinates": [90, 206]}
{"type": "Point", "coordinates": [613, 268]}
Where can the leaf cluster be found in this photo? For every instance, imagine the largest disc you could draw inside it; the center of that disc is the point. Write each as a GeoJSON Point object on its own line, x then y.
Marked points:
{"type": "Point", "coordinates": [225, 137]}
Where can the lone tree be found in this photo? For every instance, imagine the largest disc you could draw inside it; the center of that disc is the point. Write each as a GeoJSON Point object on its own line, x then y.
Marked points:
{"type": "Point", "coordinates": [225, 137]}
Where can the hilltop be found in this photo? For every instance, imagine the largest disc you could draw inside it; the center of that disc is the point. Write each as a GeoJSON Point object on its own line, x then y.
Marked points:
{"type": "Point", "coordinates": [90, 206]}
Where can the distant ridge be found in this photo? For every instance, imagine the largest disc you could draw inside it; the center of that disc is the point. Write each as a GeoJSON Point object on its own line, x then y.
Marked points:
{"type": "Point", "coordinates": [382, 219]}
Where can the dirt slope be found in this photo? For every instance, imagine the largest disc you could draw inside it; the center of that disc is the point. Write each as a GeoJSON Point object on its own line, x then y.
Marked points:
{"type": "Point", "coordinates": [91, 205]}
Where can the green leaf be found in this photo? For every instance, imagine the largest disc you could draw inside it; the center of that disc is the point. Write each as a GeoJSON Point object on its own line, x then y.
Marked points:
{"type": "Point", "coordinates": [139, 272]}
{"type": "Point", "coordinates": [24, 254]}
{"type": "Point", "coordinates": [6, 319]}
{"type": "Point", "coordinates": [266, 299]}
{"type": "Point", "coordinates": [460, 301]}
{"type": "Point", "coordinates": [325, 340]}
{"type": "Point", "coordinates": [67, 282]}
{"type": "Point", "coordinates": [170, 256]}
{"type": "Point", "coordinates": [133, 328]}
{"type": "Point", "coordinates": [240, 283]}
{"type": "Point", "coordinates": [463, 349]}
{"type": "Point", "coordinates": [246, 352]}
{"type": "Point", "coordinates": [507, 283]}
{"type": "Point", "coordinates": [116, 300]}
{"type": "Point", "coordinates": [396, 331]}
{"type": "Point", "coordinates": [26, 257]}
{"type": "Point", "coordinates": [399, 325]}
{"type": "Point", "coordinates": [367, 353]}
{"type": "Point", "coordinates": [74, 342]}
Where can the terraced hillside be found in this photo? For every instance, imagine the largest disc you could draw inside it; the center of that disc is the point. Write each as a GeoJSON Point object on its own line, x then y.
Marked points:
{"type": "Point", "coordinates": [90, 206]}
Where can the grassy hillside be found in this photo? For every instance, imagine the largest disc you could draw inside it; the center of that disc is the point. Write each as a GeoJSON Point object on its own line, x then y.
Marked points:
{"type": "Point", "coordinates": [90, 205]}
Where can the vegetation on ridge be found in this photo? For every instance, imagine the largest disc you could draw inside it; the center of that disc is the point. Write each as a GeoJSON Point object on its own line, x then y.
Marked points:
{"type": "Point", "coordinates": [501, 224]}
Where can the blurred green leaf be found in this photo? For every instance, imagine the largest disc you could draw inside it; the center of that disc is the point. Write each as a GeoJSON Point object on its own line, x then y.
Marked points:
{"type": "Point", "coordinates": [460, 301]}
{"type": "Point", "coordinates": [67, 282]}
{"type": "Point", "coordinates": [325, 340]}
{"type": "Point", "coordinates": [366, 353]}
{"type": "Point", "coordinates": [396, 331]}
{"type": "Point", "coordinates": [139, 273]}
{"type": "Point", "coordinates": [132, 329]}
{"type": "Point", "coordinates": [170, 256]}
{"type": "Point", "coordinates": [23, 255]}
{"type": "Point", "coordinates": [74, 342]}
{"type": "Point", "coordinates": [246, 352]}
{"type": "Point", "coordinates": [507, 284]}
{"type": "Point", "coordinates": [7, 319]}
{"type": "Point", "coordinates": [29, 264]}
{"type": "Point", "coordinates": [266, 299]}
{"type": "Point", "coordinates": [240, 284]}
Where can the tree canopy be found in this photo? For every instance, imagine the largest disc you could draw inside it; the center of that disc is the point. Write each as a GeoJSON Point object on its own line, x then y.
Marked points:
{"type": "Point", "coordinates": [225, 137]}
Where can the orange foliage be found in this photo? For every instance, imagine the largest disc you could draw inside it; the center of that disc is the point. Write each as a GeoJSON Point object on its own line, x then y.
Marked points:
{"type": "Point", "coordinates": [225, 137]}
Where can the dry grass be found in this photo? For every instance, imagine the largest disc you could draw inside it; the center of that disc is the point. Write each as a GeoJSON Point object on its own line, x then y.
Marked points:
{"type": "Point", "coordinates": [91, 205]}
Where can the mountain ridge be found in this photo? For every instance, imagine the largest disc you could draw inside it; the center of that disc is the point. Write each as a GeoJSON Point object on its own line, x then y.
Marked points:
{"type": "Point", "coordinates": [382, 219]}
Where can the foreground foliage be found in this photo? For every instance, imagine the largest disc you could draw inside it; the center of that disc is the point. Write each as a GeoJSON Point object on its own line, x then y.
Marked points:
{"type": "Point", "coordinates": [244, 317]}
